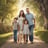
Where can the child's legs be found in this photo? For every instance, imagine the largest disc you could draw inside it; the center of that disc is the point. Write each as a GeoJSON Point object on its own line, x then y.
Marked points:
{"type": "Point", "coordinates": [25, 38]}
{"type": "Point", "coordinates": [15, 35]}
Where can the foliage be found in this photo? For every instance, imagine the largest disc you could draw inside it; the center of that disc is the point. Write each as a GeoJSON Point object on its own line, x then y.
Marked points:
{"type": "Point", "coordinates": [4, 37]}
{"type": "Point", "coordinates": [4, 28]}
{"type": "Point", "coordinates": [40, 8]}
{"type": "Point", "coordinates": [43, 35]}
{"type": "Point", "coordinates": [7, 7]}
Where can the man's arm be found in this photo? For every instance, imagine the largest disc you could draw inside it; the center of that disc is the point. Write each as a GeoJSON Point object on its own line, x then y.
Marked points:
{"type": "Point", "coordinates": [33, 19]}
{"type": "Point", "coordinates": [34, 22]}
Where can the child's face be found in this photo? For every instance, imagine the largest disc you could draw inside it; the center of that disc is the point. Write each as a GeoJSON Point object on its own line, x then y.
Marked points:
{"type": "Point", "coordinates": [25, 22]}
{"type": "Point", "coordinates": [15, 20]}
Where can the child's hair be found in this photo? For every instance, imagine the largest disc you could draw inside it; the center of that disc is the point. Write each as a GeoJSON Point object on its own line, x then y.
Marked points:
{"type": "Point", "coordinates": [25, 20]}
{"type": "Point", "coordinates": [16, 18]}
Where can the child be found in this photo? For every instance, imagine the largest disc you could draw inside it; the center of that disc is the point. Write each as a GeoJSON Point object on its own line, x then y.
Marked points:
{"type": "Point", "coordinates": [25, 31]}
{"type": "Point", "coordinates": [15, 29]}
{"type": "Point", "coordinates": [20, 21]}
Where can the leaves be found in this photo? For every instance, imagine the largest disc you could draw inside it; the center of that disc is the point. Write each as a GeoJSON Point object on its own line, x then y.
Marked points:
{"type": "Point", "coordinates": [7, 7]}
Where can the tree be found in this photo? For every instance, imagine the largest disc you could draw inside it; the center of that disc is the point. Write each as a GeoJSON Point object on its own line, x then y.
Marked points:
{"type": "Point", "coordinates": [40, 6]}
{"type": "Point", "coordinates": [7, 7]}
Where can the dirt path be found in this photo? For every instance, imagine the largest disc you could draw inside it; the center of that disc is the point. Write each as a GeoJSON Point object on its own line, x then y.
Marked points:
{"type": "Point", "coordinates": [37, 44]}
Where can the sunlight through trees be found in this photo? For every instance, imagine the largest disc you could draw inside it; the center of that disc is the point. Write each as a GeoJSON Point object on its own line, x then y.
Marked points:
{"type": "Point", "coordinates": [10, 9]}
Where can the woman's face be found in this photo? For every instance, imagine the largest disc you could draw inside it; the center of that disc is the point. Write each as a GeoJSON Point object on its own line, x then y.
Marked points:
{"type": "Point", "coordinates": [22, 13]}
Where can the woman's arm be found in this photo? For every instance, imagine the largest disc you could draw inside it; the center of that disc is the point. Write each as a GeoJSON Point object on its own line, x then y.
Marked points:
{"type": "Point", "coordinates": [22, 27]}
{"type": "Point", "coordinates": [18, 27]}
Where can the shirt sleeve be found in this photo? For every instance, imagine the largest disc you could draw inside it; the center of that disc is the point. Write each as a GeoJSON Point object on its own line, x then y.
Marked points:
{"type": "Point", "coordinates": [33, 16]}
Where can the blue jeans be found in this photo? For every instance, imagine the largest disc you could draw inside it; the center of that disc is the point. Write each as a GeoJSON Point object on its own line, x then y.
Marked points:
{"type": "Point", "coordinates": [31, 27]}
{"type": "Point", "coordinates": [15, 35]}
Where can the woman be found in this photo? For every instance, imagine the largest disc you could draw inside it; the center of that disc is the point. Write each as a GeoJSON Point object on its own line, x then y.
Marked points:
{"type": "Point", "coordinates": [20, 21]}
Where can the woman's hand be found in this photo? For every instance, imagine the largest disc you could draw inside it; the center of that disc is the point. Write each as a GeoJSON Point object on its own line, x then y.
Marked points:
{"type": "Point", "coordinates": [18, 28]}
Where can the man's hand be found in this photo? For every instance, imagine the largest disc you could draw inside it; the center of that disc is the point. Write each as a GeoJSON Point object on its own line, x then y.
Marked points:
{"type": "Point", "coordinates": [34, 23]}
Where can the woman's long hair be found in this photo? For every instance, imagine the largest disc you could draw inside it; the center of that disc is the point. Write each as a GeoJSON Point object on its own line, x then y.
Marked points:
{"type": "Point", "coordinates": [23, 15]}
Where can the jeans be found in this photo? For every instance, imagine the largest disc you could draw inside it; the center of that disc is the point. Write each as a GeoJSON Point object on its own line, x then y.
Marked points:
{"type": "Point", "coordinates": [15, 35]}
{"type": "Point", "coordinates": [31, 27]}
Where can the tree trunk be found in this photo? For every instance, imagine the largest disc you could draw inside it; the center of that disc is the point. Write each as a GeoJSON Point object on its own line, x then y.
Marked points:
{"type": "Point", "coordinates": [44, 10]}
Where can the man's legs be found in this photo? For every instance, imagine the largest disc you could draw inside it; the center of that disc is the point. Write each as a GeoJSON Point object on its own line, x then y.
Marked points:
{"type": "Point", "coordinates": [31, 33]}
{"type": "Point", "coordinates": [15, 35]}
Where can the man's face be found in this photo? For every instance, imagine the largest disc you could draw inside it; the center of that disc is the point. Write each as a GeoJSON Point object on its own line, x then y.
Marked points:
{"type": "Point", "coordinates": [27, 10]}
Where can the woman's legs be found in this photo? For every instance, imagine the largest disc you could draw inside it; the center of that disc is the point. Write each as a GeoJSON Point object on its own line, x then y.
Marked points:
{"type": "Point", "coordinates": [18, 37]}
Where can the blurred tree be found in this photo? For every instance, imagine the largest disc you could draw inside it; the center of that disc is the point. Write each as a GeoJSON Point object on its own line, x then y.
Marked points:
{"type": "Point", "coordinates": [44, 10]}
{"type": "Point", "coordinates": [40, 7]}
{"type": "Point", "coordinates": [7, 7]}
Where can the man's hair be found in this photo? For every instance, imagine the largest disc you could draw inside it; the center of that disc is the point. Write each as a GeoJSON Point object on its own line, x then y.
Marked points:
{"type": "Point", "coordinates": [27, 8]}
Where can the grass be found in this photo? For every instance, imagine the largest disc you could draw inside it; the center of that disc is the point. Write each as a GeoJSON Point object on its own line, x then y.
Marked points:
{"type": "Point", "coordinates": [4, 37]}
{"type": "Point", "coordinates": [43, 35]}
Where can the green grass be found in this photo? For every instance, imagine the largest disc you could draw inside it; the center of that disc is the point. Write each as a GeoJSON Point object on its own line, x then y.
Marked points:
{"type": "Point", "coordinates": [43, 35]}
{"type": "Point", "coordinates": [4, 37]}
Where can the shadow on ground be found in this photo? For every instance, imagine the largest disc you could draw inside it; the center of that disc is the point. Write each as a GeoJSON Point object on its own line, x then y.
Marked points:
{"type": "Point", "coordinates": [37, 44]}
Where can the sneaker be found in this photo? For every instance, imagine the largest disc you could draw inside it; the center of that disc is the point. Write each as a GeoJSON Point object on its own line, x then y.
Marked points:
{"type": "Point", "coordinates": [32, 42]}
{"type": "Point", "coordinates": [26, 41]}
{"type": "Point", "coordinates": [15, 41]}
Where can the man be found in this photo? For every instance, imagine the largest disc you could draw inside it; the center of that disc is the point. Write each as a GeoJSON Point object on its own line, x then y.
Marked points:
{"type": "Point", "coordinates": [31, 20]}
